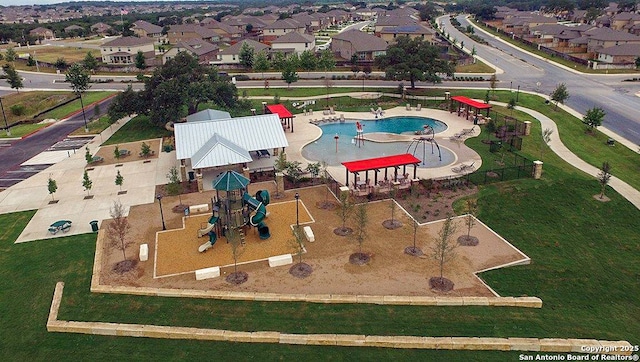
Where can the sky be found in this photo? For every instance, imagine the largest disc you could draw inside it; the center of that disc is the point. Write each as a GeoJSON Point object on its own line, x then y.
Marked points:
{"type": "Point", "coordinates": [42, 2]}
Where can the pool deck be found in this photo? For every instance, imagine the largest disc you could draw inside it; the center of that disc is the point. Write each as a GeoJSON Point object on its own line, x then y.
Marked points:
{"type": "Point", "coordinates": [306, 132]}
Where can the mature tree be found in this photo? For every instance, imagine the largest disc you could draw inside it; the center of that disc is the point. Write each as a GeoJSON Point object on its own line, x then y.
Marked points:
{"type": "Point", "coordinates": [560, 94]}
{"type": "Point", "coordinates": [119, 180]}
{"type": "Point", "coordinates": [308, 61]}
{"type": "Point", "coordinates": [483, 11]}
{"type": "Point", "coordinates": [443, 251]}
{"type": "Point", "coordinates": [546, 138]}
{"type": "Point", "coordinates": [246, 56]}
{"type": "Point", "coordinates": [87, 183]}
{"type": "Point", "coordinates": [289, 74]}
{"type": "Point", "coordinates": [141, 62]}
{"type": "Point", "coordinates": [90, 62]}
{"type": "Point", "coordinates": [361, 220]}
{"type": "Point", "coordinates": [278, 61]}
{"type": "Point", "coordinates": [117, 233]}
{"type": "Point", "coordinates": [588, 4]}
{"type": "Point", "coordinates": [10, 55]}
{"type": "Point", "coordinates": [557, 6]}
{"type": "Point", "coordinates": [603, 177]}
{"type": "Point", "coordinates": [344, 212]}
{"type": "Point", "coordinates": [52, 186]}
{"type": "Point", "coordinates": [13, 78]}
{"type": "Point", "coordinates": [61, 64]}
{"type": "Point", "coordinates": [592, 14]}
{"type": "Point", "coordinates": [414, 60]}
{"type": "Point", "coordinates": [79, 78]}
{"type": "Point", "coordinates": [124, 104]}
{"type": "Point", "coordinates": [593, 118]}
{"type": "Point", "coordinates": [174, 187]}
{"type": "Point", "coordinates": [261, 63]}
{"type": "Point", "coordinates": [326, 61]}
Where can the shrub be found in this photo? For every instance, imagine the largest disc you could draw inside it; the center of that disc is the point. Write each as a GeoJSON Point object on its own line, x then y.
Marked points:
{"type": "Point", "coordinates": [18, 109]}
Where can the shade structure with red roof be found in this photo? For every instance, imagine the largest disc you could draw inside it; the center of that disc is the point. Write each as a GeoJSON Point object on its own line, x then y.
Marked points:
{"type": "Point", "coordinates": [285, 116]}
{"type": "Point", "coordinates": [469, 103]}
{"type": "Point", "coordinates": [378, 163]}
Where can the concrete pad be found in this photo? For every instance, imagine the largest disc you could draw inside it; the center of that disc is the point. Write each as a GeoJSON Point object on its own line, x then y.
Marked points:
{"type": "Point", "coordinates": [265, 337]}
{"type": "Point", "coordinates": [554, 345]}
{"type": "Point", "coordinates": [237, 336]}
{"type": "Point", "coordinates": [286, 338]}
{"type": "Point", "coordinates": [48, 157]}
{"type": "Point", "coordinates": [350, 339]}
{"type": "Point", "coordinates": [207, 273]}
{"type": "Point", "coordinates": [524, 344]}
{"type": "Point", "coordinates": [439, 343]}
{"type": "Point", "coordinates": [321, 339]}
{"type": "Point", "coordinates": [280, 260]}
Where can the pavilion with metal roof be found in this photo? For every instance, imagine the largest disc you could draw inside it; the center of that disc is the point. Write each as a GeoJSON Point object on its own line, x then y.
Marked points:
{"type": "Point", "coordinates": [469, 103]}
{"type": "Point", "coordinates": [379, 163]}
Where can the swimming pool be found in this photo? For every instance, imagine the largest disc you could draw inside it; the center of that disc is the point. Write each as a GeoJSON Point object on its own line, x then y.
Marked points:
{"type": "Point", "coordinates": [324, 148]}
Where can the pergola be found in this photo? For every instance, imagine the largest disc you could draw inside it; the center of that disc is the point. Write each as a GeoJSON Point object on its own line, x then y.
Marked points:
{"type": "Point", "coordinates": [285, 116]}
{"type": "Point", "coordinates": [378, 163]}
{"type": "Point", "coordinates": [469, 103]}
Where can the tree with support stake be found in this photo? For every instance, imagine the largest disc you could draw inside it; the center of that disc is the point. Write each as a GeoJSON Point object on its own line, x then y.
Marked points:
{"type": "Point", "coordinates": [235, 241]}
{"type": "Point", "coordinates": [345, 210]}
{"type": "Point", "coordinates": [300, 269]}
{"type": "Point", "coordinates": [414, 250]}
{"type": "Point", "coordinates": [470, 222]}
{"type": "Point", "coordinates": [603, 178]}
{"type": "Point", "coordinates": [360, 234]}
{"type": "Point", "coordinates": [119, 180]}
{"type": "Point", "coordinates": [87, 183]}
{"type": "Point", "coordinates": [52, 186]}
{"type": "Point", "coordinates": [117, 231]}
{"type": "Point", "coordinates": [443, 251]}
{"type": "Point", "coordinates": [392, 223]}
{"type": "Point", "coordinates": [79, 78]}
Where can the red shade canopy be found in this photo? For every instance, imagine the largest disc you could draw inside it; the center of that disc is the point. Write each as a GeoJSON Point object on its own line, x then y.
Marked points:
{"type": "Point", "coordinates": [381, 162]}
{"type": "Point", "coordinates": [471, 102]}
{"type": "Point", "coordinates": [280, 110]}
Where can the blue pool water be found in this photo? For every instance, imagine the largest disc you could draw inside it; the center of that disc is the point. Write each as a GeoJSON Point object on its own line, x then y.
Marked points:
{"type": "Point", "coordinates": [324, 148]}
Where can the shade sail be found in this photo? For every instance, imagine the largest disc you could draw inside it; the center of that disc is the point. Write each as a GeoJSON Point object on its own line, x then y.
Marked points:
{"type": "Point", "coordinates": [471, 102]}
{"type": "Point", "coordinates": [381, 162]}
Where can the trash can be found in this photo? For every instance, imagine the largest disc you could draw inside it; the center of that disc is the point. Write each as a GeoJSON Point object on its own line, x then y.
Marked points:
{"type": "Point", "coordinates": [186, 211]}
{"type": "Point", "coordinates": [94, 225]}
{"type": "Point", "coordinates": [192, 176]}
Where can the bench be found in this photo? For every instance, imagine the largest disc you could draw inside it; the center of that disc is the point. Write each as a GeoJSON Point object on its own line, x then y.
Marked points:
{"type": "Point", "coordinates": [280, 260]}
{"type": "Point", "coordinates": [308, 233]}
{"type": "Point", "coordinates": [208, 273]}
{"type": "Point", "coordinates": [144, 252]}
{"type": "Point", "coordinates": [96, 159]}
{"type": "Point", "coordinates": [199, 208]}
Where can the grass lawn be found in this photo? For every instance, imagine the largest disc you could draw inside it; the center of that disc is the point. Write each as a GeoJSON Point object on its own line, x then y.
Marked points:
{"type": "Point", "coordinates": [477, 67]}
{"type": "Point", "coordinates": [95, 127]}
{"type": "Point", "coordinates": [50, 54]}
{"type": "Point", "coordinates": [68, 109]}
{"type": "Point", "coordinates": [34, 102]}
{"type": "Point", "coordinates": [137, 129]}
{"type": "Point", "coordinates": [303, 92]}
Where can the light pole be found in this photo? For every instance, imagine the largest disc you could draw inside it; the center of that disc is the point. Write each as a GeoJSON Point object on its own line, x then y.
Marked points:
{"type": "Point", "coordinates": [159, 197]}
{"type": "Point", "coordinates": [511, 86]}
{"type": "Point", "coordinates": [518, 93]}
{"type": "Point", "coordinates": [6, 125]}
{"type": "Point", "coordinates": [297, 215]}
{"type": "Point", "coordinates": [86, 128]}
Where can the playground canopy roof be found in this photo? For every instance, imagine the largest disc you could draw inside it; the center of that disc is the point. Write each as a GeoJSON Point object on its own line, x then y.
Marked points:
{"type": "Point", "coordinates": [471, 102]}
{"type": "Point", "coordinates": [280, 110]}
{"type": "Point", "coordinates": [381, 162]}
{"type": "Point", "coordinates": [230, 180]}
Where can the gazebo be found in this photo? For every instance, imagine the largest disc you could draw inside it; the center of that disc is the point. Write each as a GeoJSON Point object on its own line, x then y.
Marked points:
{"type": "Point", "coordinates": [379, 163]}
{"type": "Point", "coordinates": [468, 103]}
{"type": "Point", "coordinates": [285, 116]}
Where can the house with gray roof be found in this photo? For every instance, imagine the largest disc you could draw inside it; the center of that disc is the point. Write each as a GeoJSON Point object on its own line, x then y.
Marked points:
{"type": "Point", "coordinates": [364, 46]}
{"type": "Point", "coordinates": [620, 56]}
{"type": "Point", "coordinates": [178, 33]}
{"type": "Point", "coordinates": [280, 28]}
{"type": "Point", "coordinates": [145, 29]}
{"type": "Point", "coordinates": [294, 42]}
{"type": "Point", "coordinates": [413, 31]}
{"type": "Point", "coordinates": [231, 55]}
{"type": "Point", "coordinates": [101, 28]}
{"type": "Point", "coordinates": [204, 51]}
{"type": "Point", "coordinates": [600, 38]}
{"type": "Point", "coordinates": [124, 50]}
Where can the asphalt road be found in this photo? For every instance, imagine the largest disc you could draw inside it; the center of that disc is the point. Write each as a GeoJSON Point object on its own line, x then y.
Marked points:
{"type": "Point", "coordinates": [609, 92]}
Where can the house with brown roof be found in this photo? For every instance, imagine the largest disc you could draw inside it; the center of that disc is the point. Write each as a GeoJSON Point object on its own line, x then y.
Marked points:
{"type": "Point", "coordinates": [178, 33]}
{"type": "Point", "coordinates": [124, 50]}
{"type": "Point", "coordinates": [145, 29]}
{"type": "Point", "coordinates": [392, 22]}
{"type": "Point", "coordinates": [618, 57]}
{"type": "Point", "coordinates": [364, 46]}
{"type": "Point", "coordinates": [415, 31]}
{"type": "Point", "coordinates": [205, 52]}
{"type": "Point", "coordinates": [231, 55]}
{"type": "Point", "coordinates": [101, 28]}
{"type": "Point", "coordinates": [280, 28]}
{"type": "Point", "coordinates": [627, 22]}
{"type": "Point", "coordinates": [225, 32]}
{"type": "Point", "coordinates": [294, 42]}
{"type": "Point", "coordinates": [601, 38]}
{"type": "Point", "coordinates": [41, 33]}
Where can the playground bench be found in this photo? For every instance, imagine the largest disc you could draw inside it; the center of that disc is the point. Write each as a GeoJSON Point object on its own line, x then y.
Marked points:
{"type": "Point", "coordinates": [308, 233]}
{"type": "Point", "coordinates": [280, 260]}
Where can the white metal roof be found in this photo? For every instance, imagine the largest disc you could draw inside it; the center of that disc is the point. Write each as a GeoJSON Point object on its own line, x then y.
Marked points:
{"type": "Point", "coordinates": [252, 133]}
{"type": "Point", "coordinates": [219, 151]}
{"type": "Point", "coordinates": [208, 115]}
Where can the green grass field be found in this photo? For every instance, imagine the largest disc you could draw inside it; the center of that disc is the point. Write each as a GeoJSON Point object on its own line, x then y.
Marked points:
{"type": "Point", "coordinates": [70, 108]}
{"type": "Point", "coordinates": [138, 128]}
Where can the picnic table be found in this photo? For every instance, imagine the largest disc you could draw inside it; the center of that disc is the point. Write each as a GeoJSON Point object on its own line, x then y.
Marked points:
{"type": "Point", "coordinates": [60, 225]}
{"type": "Point", "coordinates": [124, 153]}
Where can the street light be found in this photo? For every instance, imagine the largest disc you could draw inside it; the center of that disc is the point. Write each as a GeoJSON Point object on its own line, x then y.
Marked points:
{"type": "Point", "coordinates": [159, 197]}
{"type": "Point", "coordinates": [511, 86]}
{"type": "Point", "coordinates": [86, 128]}
{"type": "Point", "coordinates": [6, 125]}
{"type": "Point", "coordinates": [518, 93]}
{"type": "Point", "coordinates": [297, 215]}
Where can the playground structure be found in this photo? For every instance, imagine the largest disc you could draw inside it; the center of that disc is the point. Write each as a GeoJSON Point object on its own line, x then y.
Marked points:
{"type": "Point", "coordinates": [359, 138]}
{"type": "Point", "coordinates": [427, 135]}
{"type": "Point", "coordinates": [235, 211]}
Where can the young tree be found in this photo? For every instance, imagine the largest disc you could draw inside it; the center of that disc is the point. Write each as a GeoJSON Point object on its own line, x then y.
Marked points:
{"type": "Point", "coordinates": [116, 153]}
{"type": "Point", "coordinates": [414, 60]}
{"type": "Point", "coordinates": [30, 61]}
{"type": "Point", "coordinates": [10, 55]}
{"type": "Point", "coordinates": [470, 221]}
{"type": "Point", "coordinates": [443, 251]}
{"type": "Point", "coordinates": [13, 78]}
{"type": "Point", "coordinates": [61, 64]}
{"type": "Point", "coordinates": [261, 63]}
{"type": "Point", "coordinates": [300, 269]}
{"type": "Point", "coordinates": [87, 183]}
{"type": "Point", "coordinates": [246, 56]}
{"type": "Point", "coordinates": [414, 250]}
{"type": "Point", "coordinates": [289, 74]}
{"type": "Point", "coordinates": [593, 118]}
{"type": "Point", "coordinates": [546, 138]}
{"type": "Point", "coordinates": [511, 105]}
{"type": "Point", "coordinates": [119, 180]}
{"type": "Point", "coordinates": [314, 169]}
{"type": "Point", "coordinates": [141, 62]}
{"type": "Point", "coordinates": [487, 97]}
{"type": "Point", "coordinates": [560, 94]}
{"type": "Point", "coordinates": [174, 187]}
{"type": "Point", "coordinates": [392, 223]}
{"type": "Point", "coordinates": [89, 62]}
{"type": "Point", "coordinates": [145, 150]}
{"type": "Point", "coordinates": [235, 241]}
{"type": "Point", "coordinates": [117, 233]}
{"type": "Point", "coordinates": [293, 171]}
{"type": "Point", "coordinates": [52, 186]}
{"type": "Point", "coordinates": [360, 234]}
{"type": "Point", "coordinates": [344, 212]}
{"type": "Point", "coordinates": [79, 78]}
{"type": "Point", "coordinates": [603, 177]}
{"type": "Point", "coordinates": [493, 83]}
{"type": "Point", "coordinates": [87, 155]}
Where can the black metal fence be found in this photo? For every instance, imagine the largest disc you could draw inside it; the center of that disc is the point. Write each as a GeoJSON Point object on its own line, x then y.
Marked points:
{"type": "Point", "coordinates": [521, 167]}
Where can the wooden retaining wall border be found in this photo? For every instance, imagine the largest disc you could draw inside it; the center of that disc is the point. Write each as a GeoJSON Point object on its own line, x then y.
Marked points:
{"type": "Point", "coordinates": [551, 345]}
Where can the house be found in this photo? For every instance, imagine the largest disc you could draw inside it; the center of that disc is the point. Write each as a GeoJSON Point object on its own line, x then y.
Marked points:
{"type": "Point", "coordinates": [178, 33]}
{"type": "Point", "coordinates": [41, 33]}
{"type": "Point", "coordinates": [210, 146]}
{"type": "Point", "coordinates": [624, 56]}
{"type": "Point", "coordinates": [560, 37]}
{"type": "Point", "coordinates": [294, 42]}
{"type": "Point", "coordinates": [627, 22]}
{"type": "Point", "coordinates": [74, 30]}
{"type": "Point", "coordinates": [231, 55]}
{"type": "Point", "coordinates": [392, 22]}
{"type": "Point", "coordinates": [145, 29]}
{"type": "Point", "coordinates": [101, 28]}
{"type": "Point", "coordinates": [205, 52]}
{"type": "Point", "coordinates": [364, 46]}
{"type": "Point", "coordinates": [225, 32]}
{"type": "Point", "coordinates": [389, 34]}
{"type": "Point", "coordinates": [601, 38]}
{"type": "Point", "coordinates": [125, 49]}
{"type": "Point", "coordinates": [280, 28]}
